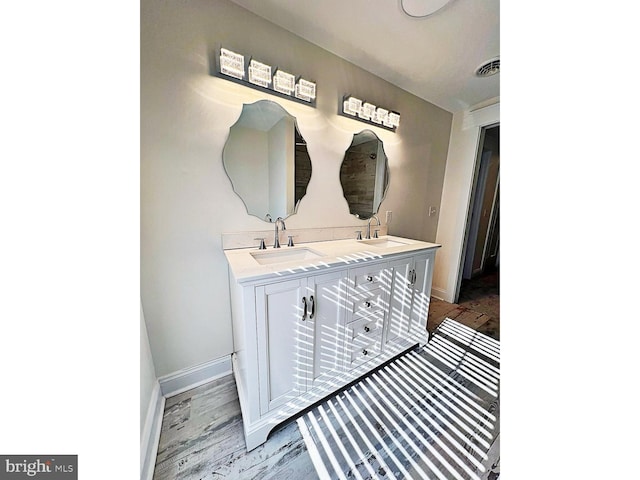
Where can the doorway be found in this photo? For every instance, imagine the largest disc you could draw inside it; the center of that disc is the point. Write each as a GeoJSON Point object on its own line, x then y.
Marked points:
{"type": "Point", "coordinates": [480, 265]}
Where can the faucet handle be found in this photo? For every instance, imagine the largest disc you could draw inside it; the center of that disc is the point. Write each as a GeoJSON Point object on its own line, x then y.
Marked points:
{"type": "Point", "coordinates": [290, 242]}
{"type": "Point", "coordinates": [375, 233]}
{"type": "Point", "coordinates": [359, 232]}
{"type": "Point", "coordinates": [262, 245]}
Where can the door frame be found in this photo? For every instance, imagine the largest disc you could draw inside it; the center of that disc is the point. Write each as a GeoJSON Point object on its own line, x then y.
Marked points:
{"type": "Point", "coordinates": [471, 204]}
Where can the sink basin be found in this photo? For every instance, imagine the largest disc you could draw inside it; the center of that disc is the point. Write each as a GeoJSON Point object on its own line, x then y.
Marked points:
{"type": "Point", "coordinates": [383, 242]}
{"type": "Point", "coordinates": [285, 254]}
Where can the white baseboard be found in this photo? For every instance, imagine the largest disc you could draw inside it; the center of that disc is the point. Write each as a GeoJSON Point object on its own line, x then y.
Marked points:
{"type": "Point", "coordinates": [168, 386]}
{"type": "Point", "coordinates": [151, 434]}
{"type": "Point", "coordinates": [441, 294]}
{"type": "Point", "coordinates": [193, 377]}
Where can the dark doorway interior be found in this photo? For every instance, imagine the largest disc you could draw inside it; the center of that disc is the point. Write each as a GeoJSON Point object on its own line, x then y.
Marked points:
{"type": "Point", "coordinates": [480, 285]}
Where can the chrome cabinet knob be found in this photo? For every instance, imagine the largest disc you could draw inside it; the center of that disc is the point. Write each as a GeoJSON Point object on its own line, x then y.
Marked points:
{"type": "Point", "coordinates": [364, 352]}
{"type": "Point", "coordinates": [369, 278]}
{"type": "Point", "coordinates": [367, 329]}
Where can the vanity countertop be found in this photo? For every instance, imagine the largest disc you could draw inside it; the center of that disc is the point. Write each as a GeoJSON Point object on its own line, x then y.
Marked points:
{"type": "Point", "coordinates": [251, 264]}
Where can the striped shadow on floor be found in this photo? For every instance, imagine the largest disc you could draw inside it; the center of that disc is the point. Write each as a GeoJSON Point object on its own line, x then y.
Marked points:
{"type": "Point", "coordinates": [431, 413]}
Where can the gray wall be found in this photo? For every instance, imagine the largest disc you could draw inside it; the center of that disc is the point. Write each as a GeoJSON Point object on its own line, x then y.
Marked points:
{"type": "Point", "coordinates": [187, 201]}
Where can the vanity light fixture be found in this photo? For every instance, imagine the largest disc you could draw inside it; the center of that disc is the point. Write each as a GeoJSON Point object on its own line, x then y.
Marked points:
{"type": "Point", "coordinates": [259, 73]}
{"type": "Point", "coordinates": [393, 120]}
{"type": "Point", "coordinates": [252, 73]}
{"type": "Point", "coordinates": [369, 113]}
{"type": "Point", "coordinates": [284, 82]}
{"type": "Point", "coordinates": [231, 63]}
{"type": "Point", "coordinates": [352, 106]}
{"type": "Point", "coordinates": [368, 110]}
{"type": "Point", "coordinates": [306, 90]}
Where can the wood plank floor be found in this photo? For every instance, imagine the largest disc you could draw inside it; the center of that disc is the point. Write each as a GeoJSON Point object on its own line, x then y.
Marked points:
{"type": "Point", "coordinates": [201, 435]}
{"type": "Point", "coordinates": [483, 323]}
{"type": "Point", "coordinates": [478, 306]}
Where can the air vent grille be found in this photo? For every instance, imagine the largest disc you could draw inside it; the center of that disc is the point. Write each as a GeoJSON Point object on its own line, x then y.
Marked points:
{"type": "Point", "coordinates": [489, 68]}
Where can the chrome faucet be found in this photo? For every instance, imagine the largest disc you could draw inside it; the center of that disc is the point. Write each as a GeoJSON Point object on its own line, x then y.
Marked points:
{"type": "Point", "coordinates": [276, 242]}
{"type": "Point", "coordinates": [369, 225]}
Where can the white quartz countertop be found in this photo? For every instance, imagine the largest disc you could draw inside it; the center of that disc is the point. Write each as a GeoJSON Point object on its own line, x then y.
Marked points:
{"type": "Point", "coordinates": [327, 254]}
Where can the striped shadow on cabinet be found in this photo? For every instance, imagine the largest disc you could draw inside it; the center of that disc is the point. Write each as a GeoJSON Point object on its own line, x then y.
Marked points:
{"type": "Point", "coordinates": [432, 413]}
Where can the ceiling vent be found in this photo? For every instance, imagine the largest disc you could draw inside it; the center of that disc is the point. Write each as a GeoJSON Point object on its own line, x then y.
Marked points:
{"type": "Point", "coordinates": [488, 68]}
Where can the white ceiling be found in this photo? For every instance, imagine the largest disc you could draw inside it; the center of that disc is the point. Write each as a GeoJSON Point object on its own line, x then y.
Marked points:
{"type": "Point", "coordinates": [434, 58]}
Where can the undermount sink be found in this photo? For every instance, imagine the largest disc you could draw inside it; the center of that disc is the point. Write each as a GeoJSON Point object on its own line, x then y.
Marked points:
{"type": "Point", "coordinates": [285, 254]}
{"type": "Point", "coordinates": [383, 242]}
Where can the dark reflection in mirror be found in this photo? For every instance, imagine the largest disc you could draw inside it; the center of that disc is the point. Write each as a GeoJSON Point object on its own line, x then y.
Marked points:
{"type": "Point", "coordinates": [267, 161]}
{"type": "Point", "coordinates": [364, 174]}
{"type": "Point", "coordinates": [302, 167]}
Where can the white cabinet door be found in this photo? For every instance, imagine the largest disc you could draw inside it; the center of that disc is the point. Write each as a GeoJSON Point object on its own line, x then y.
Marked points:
{"type": "Point", "coordinates": [410, 296]}
{"type": "Point", "coordinates": [327, 303]}
{"type": "Point", "coordinates": [300, 327]}
{"type": "Point", "coordinates": [400, 300]}
{"type": "Point", "coordinates": [284, 342]}
{"type": "Point", "coordinates": [423, 268]}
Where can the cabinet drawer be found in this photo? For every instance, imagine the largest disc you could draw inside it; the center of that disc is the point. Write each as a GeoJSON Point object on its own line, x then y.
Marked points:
{"type": "Point", "coordinates": [370, 327]}
{"type": "Point", "coordinates": [363, 353]}
{"type": "Point", "coordinates": [368, 302]}
{"type": "Point", "coordinates": [369, 278]}
{"type": "Point", "coordinates": [363, 341]}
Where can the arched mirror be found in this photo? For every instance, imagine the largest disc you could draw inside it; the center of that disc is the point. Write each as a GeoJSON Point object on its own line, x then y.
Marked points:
{"type": "Point", "coordinates": [364, 174]}
{"type": "Point", "coordinates": [267, 161]}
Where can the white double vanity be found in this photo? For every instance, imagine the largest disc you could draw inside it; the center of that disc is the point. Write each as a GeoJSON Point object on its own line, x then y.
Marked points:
{"type": "Point", "coordinates": [310, 319]}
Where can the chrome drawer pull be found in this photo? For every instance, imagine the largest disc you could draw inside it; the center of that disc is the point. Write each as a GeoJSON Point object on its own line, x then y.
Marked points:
{"type": "Point", "coordinates": [304, 314]}
{"type": "Point", "coordinates": [313, 307]}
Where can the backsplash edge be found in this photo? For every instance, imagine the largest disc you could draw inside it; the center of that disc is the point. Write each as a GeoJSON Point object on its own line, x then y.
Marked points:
{"type": "Point", "coordinates": [235, 240]}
